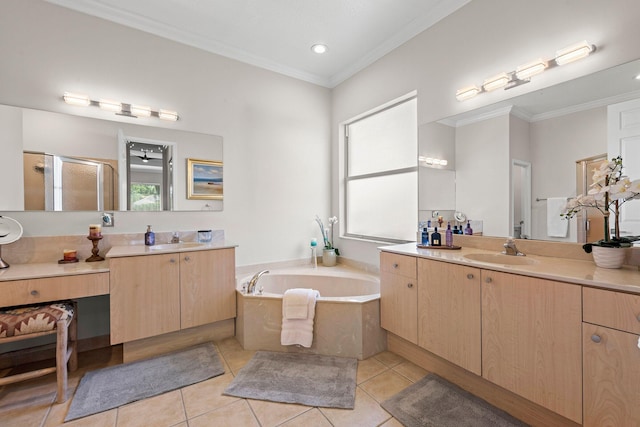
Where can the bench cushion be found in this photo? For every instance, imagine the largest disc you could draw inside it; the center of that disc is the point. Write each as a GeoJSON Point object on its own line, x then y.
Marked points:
{"type": "Point", "coordinates": [31, 319]}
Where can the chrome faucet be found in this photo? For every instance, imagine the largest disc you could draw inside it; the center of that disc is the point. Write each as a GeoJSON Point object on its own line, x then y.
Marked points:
{"type": "Point", "coordinates": [175, 238]}
{"type": "Point", "coordinates": [510, 248]}
{"type": "Point", "coordinates": [254, 280]}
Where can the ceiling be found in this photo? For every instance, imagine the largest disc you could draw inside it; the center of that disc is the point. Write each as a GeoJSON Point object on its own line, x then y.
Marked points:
{"type": "Point", "coordinates": [278, 34]}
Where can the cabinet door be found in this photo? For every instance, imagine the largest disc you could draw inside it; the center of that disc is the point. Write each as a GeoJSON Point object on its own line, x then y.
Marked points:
{"type": "Point", "coordinates": [145, 296]}
{"type": "Point", "coordinates": [449, 321]}
{"type": "Point", "coordinates": [398, 296]}
{"type": "Point", "coordinates": [532, 340]}
{"type": "Point", "coordinates": [207, 287]}
{"type": "Point", "coordinates": [611, 377]}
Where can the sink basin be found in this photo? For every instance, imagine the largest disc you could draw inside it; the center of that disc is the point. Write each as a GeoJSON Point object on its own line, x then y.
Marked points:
{"type": "Point", "coordinates": [501, 259]}
{"type": "Point", "coordinates": [175, 246]}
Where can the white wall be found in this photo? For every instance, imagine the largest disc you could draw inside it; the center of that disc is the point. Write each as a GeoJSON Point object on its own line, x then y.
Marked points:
{"type": "Point", "coordinates": [275, 128]}
{"type": "Point", "coordinates": [481, 39]}
{"type": "Point", "coordinates": [10, 132]}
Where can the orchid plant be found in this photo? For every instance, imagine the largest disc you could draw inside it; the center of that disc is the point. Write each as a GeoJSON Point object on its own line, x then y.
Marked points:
{"type": "Point", "coordinates": [609, 191]}
{"type": "Point", "coordinates": [328, 243]}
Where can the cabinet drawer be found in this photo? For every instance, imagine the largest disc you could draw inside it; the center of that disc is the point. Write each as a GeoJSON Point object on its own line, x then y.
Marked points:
{"type": "Point", "coordinates": [32, 291]}
{"type": "Point", "coordinates": [612, 309]}
{"type": "Point", "coordinates": [398, 264]}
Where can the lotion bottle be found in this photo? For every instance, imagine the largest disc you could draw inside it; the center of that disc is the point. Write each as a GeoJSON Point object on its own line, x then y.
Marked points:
{"type": "Point", "coordinates": [468, 230]}
{"type": "Point", "coordinates": [149, 237]}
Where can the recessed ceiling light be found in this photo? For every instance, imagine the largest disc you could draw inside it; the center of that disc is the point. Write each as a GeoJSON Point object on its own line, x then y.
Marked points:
{"type": "Point", "coordinates": [637, 77]}
{"type": "Point", "coordinates": [319, 48]}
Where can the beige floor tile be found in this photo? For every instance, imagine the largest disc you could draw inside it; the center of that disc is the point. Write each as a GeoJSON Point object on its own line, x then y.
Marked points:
{"type": "Point", "coordinates": [102, 419]}
{"type": "Point", "coordinates": [271, 414]}
{"type": "Point", "coordinates": [389, 359]}
{"type": "Point", "coordinates": [234, 415]}
{"type": "Point", "coordinates": [392, 423]}
{"type": "Point", "coordinates": [229, 344]}
{"type": "Point", "coordinates": [163, 410]}
{"type": "Point", "coordinates": [385, 385]}
{"type": "Point", "coordinates": [31, 415]}
{"type": "Point", "coordinates": [411, 371]}
{"type": "Point", "coordinates": [206, 395]}
{"type": "Point", "coordinates": [366, 413]}
{"type": "Point", "coordinates": [311, 418]}
{"type": "Point", "coordinates": [236, 359]}
{"type": "Point", "coordinates": [368, 369]}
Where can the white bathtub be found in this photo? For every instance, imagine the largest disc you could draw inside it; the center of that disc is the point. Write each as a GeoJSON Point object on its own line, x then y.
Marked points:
{"type": "Point", "coordinates": [347, 320]}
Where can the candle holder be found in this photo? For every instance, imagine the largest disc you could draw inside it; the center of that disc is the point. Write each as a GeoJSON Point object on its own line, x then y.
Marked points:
{"type": "Point", "coordinates": [95, 257]}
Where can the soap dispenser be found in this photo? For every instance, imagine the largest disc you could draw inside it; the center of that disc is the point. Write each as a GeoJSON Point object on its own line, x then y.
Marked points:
{"type": "Point", "coordinates": [149, 237]}
{"type": "Point", "coordinates": [468, 230]}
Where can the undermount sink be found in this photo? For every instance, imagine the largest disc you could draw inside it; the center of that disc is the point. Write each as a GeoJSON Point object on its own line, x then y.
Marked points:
{"type": "Point", "coordinates": [501, 259]}
{"type": "Point", "coordinates": [175, 246]}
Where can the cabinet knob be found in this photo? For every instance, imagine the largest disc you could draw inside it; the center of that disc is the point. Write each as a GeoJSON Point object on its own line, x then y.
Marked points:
{"type": "Point", "coordinates": [172, 261]}
{"type": "Point", "coordinates": [409, 285]}
{"type": "Point", "coordinates": [187, 258]}
{"type": "Point", "coordinates": [469, 276]}
{"type": "Point", "coordinates": [596, 338]}
{"type": "Point", "coordinates": [488, 280]}
{"type": "Point", "coordinates": [395, 265]}
{"type": "Point", "coordinates": [638, 317]}
{"type": "Point", "coordinates": [34, 293]}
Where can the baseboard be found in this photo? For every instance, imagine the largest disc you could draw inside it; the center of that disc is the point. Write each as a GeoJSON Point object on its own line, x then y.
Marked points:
{"type": "Point", "coordinates": [48, 351]}
{"type": "Point", "coordinates": [512, 403]}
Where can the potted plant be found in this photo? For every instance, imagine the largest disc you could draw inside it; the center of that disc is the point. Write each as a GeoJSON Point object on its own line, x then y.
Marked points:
{"type": "Point", "coordinates": [609, 191]}
{"type": "Point", "coordinates": [329, 252]}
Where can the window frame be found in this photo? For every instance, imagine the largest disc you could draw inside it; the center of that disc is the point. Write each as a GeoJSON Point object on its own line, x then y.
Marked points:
{"type": "Point", "coordinates": [392, 172]}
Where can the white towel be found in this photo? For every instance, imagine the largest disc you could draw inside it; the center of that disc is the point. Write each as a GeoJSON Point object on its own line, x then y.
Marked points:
{"type": "Point", "coordinates": [295, 303]}
{"type": "Point", "coordinates": [556, 225]}
{"type": "Point", "coordinates": [299, 331]}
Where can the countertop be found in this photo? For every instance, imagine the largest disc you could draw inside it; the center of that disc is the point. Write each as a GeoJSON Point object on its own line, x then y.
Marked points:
{"type": "Point", "coordinates": [626, 279]}
{"type": "Point", "coordinates": [51, 269]}
{"type": "Point", "coordinates": [138, 250]}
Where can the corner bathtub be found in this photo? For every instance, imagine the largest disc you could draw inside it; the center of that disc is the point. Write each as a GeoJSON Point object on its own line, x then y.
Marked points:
{"type": "Point", "coordinates": [347, 318]}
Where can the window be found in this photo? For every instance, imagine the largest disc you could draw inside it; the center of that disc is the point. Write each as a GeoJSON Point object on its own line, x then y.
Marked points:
{"type": "Point", "coordinates": [381, 176]}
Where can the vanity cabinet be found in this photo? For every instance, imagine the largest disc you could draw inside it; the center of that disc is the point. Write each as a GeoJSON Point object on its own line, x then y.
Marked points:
{"type": "Point", "coordinates": [611, 358]}
{"type": "Point", "coordinates": [449, 312]}
{"type": "Point", "coordinates": [399, 295]}
{"type": "Point", "coordinates": [532, 340]}
{"type": "Point", "coordinates": [156, 294]}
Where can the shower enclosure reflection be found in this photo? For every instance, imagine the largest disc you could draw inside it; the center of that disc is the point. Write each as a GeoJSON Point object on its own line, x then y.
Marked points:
{"type": "Point", "coordinates": [64, 183]}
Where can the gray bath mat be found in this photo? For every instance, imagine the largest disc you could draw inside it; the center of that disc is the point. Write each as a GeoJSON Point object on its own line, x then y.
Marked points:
{"type": "Point", "coordinates": [307, 379]}
{"type": "Point", "coordinates": [118, 385]}
{"type": "Point", "coordinates": [435, 402]}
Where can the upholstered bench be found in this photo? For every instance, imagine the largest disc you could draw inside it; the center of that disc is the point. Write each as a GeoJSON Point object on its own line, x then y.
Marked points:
{"type": "Point", "coordinates": [27, 322]}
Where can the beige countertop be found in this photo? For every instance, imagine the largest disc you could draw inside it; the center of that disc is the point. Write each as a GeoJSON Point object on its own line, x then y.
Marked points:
{"type": "Point", "coordinates": [138, 250]}
{"type": "Point", "coordinates": [51, 269]}
{"type": "Point", "coordinates": [626, 279]}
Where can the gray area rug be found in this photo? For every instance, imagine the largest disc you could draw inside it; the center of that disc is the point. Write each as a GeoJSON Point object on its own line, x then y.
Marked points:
{"type": "Point", "coordinates": [118, 385]}
{"type": "Point", "coordinates": [435, 402]}
{"type": "Point", "coordinates": [307, 379]}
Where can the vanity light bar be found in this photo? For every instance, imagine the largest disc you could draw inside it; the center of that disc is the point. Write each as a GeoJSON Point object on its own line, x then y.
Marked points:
{"type": "Point", "coordinates": [119, 108]}
{"type": "Point", "coordinates": [524, 72]}
{"type": "Point", "coordinates": [433, 161]}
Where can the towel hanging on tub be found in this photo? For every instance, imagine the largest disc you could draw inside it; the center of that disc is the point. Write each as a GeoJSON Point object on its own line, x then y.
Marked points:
{"type": "Point", "coordinates": [298, 312]}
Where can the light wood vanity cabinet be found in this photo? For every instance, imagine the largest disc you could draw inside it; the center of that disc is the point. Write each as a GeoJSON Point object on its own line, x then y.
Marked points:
{"type": "Point", "coordinates": [611, 358]}
{"type": "Point", "coordinates": [399, 295]}
{"type": "Point", "coordinates": [156, 294]}
{"type": "Point", "coordinates": [449, 312]}
{"type": "Point", "coordinates": [531, 340]}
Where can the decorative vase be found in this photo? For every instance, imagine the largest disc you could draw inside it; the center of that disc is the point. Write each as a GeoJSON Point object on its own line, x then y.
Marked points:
{"type": "Point", "coordinates": [329, 257]}
{"type": "Point", "coordinates": [607, 257]}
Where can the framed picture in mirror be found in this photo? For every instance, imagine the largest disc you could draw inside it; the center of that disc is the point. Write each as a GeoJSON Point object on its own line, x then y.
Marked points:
{"type": "Point", "coordinates": [204, 179]}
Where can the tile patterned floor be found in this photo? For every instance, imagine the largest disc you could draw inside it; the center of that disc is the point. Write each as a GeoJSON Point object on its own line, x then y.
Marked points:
{"type": "Point", "coordinates": [31, 403]}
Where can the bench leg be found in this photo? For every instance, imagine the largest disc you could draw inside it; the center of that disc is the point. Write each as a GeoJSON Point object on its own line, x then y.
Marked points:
{"type": "Point", "coordinates": [73, 339]}
{"type": "Point", "coordinates": [62, 336]}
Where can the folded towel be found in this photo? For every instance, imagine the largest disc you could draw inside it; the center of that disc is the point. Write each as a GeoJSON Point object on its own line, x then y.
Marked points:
{"type": "Point", "coordinates": [295, 303]}
{"type": "Point", "coordinates": [299, 331]}
{"type": "Point", "coordinates": [556, 225]}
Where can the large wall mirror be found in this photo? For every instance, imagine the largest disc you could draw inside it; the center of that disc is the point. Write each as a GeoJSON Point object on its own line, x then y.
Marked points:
{"type": "Point", "coordinates": [61, 162]}
{"type": "Point", "coordinates": [504, 161]}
